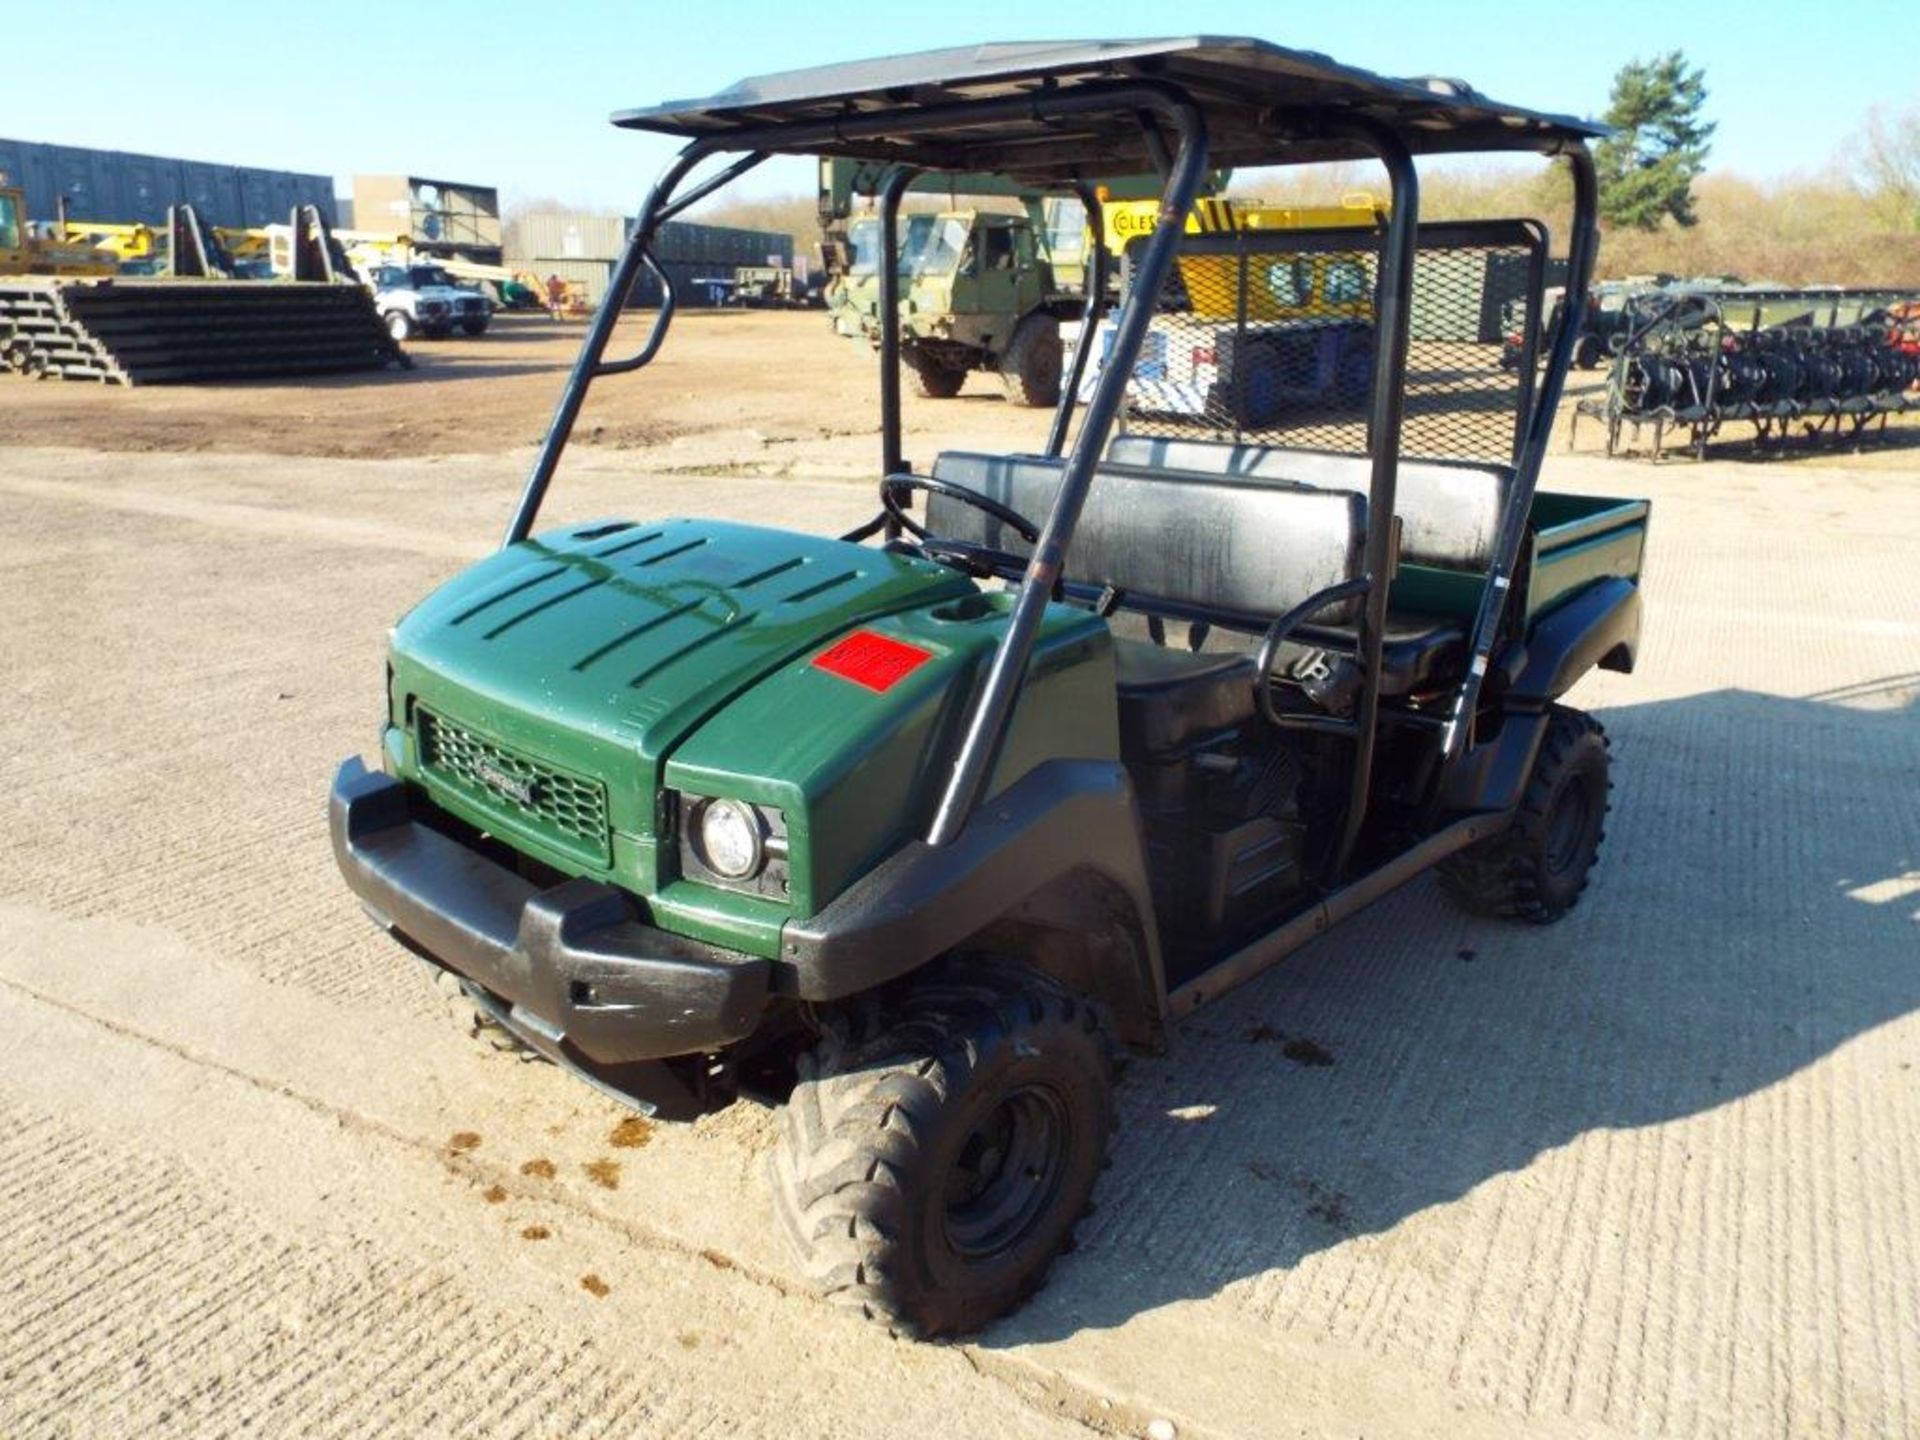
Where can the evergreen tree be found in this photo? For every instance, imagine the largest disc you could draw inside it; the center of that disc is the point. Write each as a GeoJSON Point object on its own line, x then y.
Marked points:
{"type": "Point", "coordinates": [1659, 148]}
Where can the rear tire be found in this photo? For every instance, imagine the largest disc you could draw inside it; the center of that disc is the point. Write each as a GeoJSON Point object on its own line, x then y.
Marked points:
{"type": "Point", "coordinates": [1536, 869]}
{"type": "Point", "coordinates": [469, 1018]}
{"type": "Point", "coordinates": [934, 380]}
{"type": "Point", "coordinates": [1030, 370]}
{"type": "Point", "coordinates": [474, 327]}
{"type": "Point", "coordinates": [936, 1154]}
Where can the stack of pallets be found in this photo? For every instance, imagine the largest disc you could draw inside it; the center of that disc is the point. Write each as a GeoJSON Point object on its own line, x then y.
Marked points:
{"type": "Point", "coordinates": [142, 332]}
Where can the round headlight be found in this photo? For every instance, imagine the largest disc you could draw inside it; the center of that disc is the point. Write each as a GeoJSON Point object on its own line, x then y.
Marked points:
{"type": "Point", "coordinates": [730, 838]}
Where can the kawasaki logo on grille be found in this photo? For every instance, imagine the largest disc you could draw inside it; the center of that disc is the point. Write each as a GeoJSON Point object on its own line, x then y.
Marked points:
{"type": "Point", "coordinates": [521, 790]}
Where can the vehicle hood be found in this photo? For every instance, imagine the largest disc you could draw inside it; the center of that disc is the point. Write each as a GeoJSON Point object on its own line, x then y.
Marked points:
{"type": "Point", "coordinates": [597, 648]}
{"type": "Point", "coordinates": [451, 294]}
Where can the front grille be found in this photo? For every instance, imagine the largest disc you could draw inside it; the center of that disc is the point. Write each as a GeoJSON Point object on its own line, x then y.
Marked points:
{"type": "Point", "coordinates": [565, 808]}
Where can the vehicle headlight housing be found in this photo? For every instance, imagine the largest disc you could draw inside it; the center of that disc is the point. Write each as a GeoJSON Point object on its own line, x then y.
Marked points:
{"type": "Point", "coordinates": [734, 845]}
{"type": "Point", "coordinates": [729, 839]}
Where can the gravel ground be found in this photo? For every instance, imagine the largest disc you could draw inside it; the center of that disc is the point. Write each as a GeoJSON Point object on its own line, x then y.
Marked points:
{"type": "Point", "coordinates": [1650, 1172]}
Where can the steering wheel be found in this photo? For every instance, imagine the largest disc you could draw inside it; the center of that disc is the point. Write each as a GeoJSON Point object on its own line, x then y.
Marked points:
{"type": "Point", "coordinates": [977, 560]}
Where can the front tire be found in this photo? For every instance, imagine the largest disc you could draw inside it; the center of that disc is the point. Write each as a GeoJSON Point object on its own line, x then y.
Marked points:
{"type": "Point", "coordinates": [1030, 370]}
{"type": "Point", "coordinates": [400, 325]}
{"type": "Point", "coordinates": [937, 1152]}
{"type": "Point", "coordinates": [1536, 869]}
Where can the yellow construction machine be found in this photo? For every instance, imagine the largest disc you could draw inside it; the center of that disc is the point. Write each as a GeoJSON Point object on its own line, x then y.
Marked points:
{"type": "Point", "coordinates": [25, 252]}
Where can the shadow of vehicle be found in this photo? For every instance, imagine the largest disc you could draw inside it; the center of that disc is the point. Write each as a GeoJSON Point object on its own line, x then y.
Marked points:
{"type": "Point", "coordinates": [1754, 909]}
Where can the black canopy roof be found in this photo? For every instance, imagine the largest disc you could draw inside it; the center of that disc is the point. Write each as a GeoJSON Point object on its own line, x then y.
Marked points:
{"type": "Point", "coordinates": [1263, 105]}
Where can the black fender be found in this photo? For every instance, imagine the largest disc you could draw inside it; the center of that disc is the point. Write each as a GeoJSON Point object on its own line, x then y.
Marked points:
{"type": "Point", "coordinates": [1492, 776]}
{"type": "Point", "coordinates": [1053, 867]}
{"type": "Point", "coordinates": [1597, 627]}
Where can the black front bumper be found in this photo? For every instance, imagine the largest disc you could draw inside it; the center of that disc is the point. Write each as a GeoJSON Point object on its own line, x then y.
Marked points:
{"type": "Point", "coordinates": [572, 969]}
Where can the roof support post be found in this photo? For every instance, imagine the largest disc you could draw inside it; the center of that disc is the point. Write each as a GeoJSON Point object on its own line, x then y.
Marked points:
{"type": "Point", "coordinates": [1386, 401]}
{"type": "Point", "coordinates": [1093, 307]}
{"type": "Point", "coordinates": [892, 447]}
{"type": "Point", "coordinates": [1582, 245]}
{"type": "Point", "coordinates": [660, 206]}
{"type": "Point", "coordinates": [987, 722]}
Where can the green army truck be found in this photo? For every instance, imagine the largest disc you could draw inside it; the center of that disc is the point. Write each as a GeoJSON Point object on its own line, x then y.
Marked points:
{"type": "Point", "coordinates": [914, 831]}
{"type": "Point", "coordinates": [980, 295]}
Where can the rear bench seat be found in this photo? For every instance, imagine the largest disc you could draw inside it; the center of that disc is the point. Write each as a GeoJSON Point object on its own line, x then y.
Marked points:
{"type": "Point", "coordinates": [1449, 519]}
{"type": "Point", "coordinates": [1246, 550]}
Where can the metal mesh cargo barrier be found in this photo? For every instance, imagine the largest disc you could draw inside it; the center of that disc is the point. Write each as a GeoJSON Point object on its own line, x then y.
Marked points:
{"type": "Point", "coordinates": [135, 332]}
{"type": "Point", "coordinates": [571, 810]}
{"type": "Point", "coordinates": [1268, 337]}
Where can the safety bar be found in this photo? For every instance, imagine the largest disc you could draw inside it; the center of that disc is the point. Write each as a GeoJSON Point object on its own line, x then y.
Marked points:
{"type": "Point", "coordinates": [1278, 634]}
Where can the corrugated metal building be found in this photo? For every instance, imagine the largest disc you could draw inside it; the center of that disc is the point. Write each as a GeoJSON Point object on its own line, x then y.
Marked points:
{"type": "Point", "coordinates": [125, 188]}
{"type": "Point", "coordinates": [584, 247]}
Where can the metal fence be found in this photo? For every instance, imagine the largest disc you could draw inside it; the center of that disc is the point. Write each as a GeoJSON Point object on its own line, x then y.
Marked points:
{"type": "Point", "coordinates": [1268, 337]}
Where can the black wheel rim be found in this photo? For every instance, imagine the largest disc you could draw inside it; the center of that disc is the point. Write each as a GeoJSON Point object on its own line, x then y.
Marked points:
{"type": "Point", "coordinates": [1007, 1173]}
{"type": "Point", "coordinates": [1567, 829]}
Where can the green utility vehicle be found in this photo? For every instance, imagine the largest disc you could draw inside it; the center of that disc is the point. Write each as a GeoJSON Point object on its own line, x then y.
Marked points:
{"type": "Point", "coordinates": [912, 832]}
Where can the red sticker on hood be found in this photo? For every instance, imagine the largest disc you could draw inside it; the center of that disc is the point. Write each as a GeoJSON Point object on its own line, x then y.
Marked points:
{"type": "Point", "coordinates": [876, 661]}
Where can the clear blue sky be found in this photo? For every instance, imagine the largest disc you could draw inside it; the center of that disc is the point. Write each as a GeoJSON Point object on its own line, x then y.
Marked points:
{"type": "Point", "coordinates": [516, 94]}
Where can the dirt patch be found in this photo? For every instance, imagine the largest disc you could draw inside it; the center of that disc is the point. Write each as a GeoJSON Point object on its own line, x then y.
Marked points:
{"type": "Point", "coordinates": [462, 1141]}
{"type": "Point", "coordinates": [536, 1232]}
{"type": "Point", "coordinates": [495, 1195]}
{"type": "Point", "coordinates": [541, 1169]}
{"type": "Point", "coordinates": [595, 1286]}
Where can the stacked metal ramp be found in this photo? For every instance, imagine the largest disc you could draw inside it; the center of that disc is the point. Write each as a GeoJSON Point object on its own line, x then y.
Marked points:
{"type": "Point", "coordinates": [168, 331]}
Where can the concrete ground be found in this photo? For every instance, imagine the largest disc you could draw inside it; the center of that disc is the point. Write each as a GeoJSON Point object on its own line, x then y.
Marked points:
{"type": "Point", "coordinates": [1652, 1171]}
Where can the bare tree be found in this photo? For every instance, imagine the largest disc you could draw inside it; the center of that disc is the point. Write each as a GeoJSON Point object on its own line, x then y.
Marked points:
{"type": "Point", "coordinates": [1887, 162]}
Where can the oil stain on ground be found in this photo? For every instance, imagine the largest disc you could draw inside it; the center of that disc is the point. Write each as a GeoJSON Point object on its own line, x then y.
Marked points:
{"type": "Point", "coordinates": [1303, 1051]}
{"type": "Point", "coordinates": [631, 1133]}
{"type": "Point", "coordinates": [1298, 1048]}
{"type": "Point", "coordinates": [604, 1173]}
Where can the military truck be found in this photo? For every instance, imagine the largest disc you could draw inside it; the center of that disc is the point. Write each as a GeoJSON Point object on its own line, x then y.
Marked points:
{"type": "Point", "coordinates": [980, 296]}
{"type": "Point", "coordinates": [912, 832]}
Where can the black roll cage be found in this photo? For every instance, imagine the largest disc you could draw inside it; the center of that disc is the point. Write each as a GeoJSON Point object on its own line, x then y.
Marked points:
{"type": "Point", "coordinates": [1159, 108]}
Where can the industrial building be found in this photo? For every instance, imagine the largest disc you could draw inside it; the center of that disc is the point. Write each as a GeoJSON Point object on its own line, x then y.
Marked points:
{"type": "Point", "coordinates": [449, 218]}
{"type": "Point", "coordinates": [127, 188]}
{"type": "Point", "coordinates": [583, 247]}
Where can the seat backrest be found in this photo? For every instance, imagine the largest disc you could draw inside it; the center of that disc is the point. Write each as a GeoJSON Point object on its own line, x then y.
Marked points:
{"type": "Point", "coordinates": [1449, 513]}
{"type": "Point", "coordinates": [1239, 549]}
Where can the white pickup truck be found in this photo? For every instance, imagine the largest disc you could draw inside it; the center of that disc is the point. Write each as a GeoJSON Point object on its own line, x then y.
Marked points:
{"type": "Point", "coordinates": [423, 300]}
